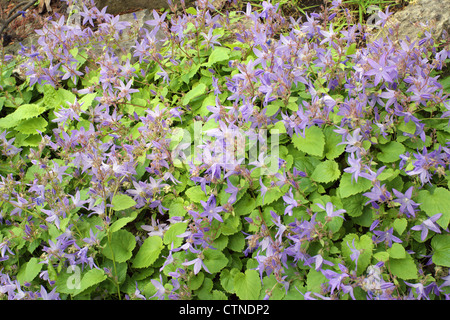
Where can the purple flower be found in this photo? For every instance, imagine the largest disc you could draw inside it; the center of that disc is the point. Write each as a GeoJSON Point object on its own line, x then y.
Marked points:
{"type": "Point", "coordinates": [386, 236]}
{"type": "Point", "coordinates": [92, 238]}
{"type": "Point", "coordinates": [280, 226]}
{"type": "Point", "coordinates": [355, 253]}
{"type": "Point", "coordinates": [4, 246]}
{"type": "Point", "coordinates": [353, 142]}
{"type": "Point", "coordinates": [71, 73]}
{"type": "Point", "coordinates": [384, 16]}
{"type": "Point", "coordinates": [328, 35]}
{"type": "Point", "coordinates": [232, 190]}
{"type": "Point", "coordinates": [158, 20]}
{"type": "Point", "coordinates": [7, 145]}
{"type": "Point", "coordinates": [355, 166]}
{"type": "Point", "coordinates": [160, 290]}
{"type": "Point", "coordinates": [319, 261]}
{"type": "Point", "coordinates": [335, 278]}
{"type": "Point", "coordinates": [371, 175]}
{"type": "Point", "coordinates": [446, 279]}
{"type": "Point", "coordinates": [211, 211]}
{"type": "Point", "coordinates": [377, 194]}
{"type": "Point", "coordinates": [290, 201]}
{"type": "Point", "coordinates": [381, 70]}
{"type": "Point", "coordinates": [52, 217]}
{"type": "Point", "coordinates": [137, 293]}
{"type": "Point", "coordinates": [263, 189]}
{"type": "Point", "coordinates": [88, 15]}
{"type": "Point", "coordinates": [58, 171]}
{"type": "Point", "coordinates": [406, 204]}
{"type": "Point", "coordinates": [125, 90]}
{"type": "Point", "coordinates": [198, 264]}
{"type": "Point", "coordinates": [330, 210]}
{"type": "Point", "coordinates": [156, 228]}
{"type": "Point", "coordinates": [420, 290]}
{"type": "Point", "coordinates": [210, 40]}
{"type": "Point", "coordinates": [428, 224]}
{"type": "Point", "coordinates": [392, 97]}
{"type": "Point", "coordinates": [52, 295]}
{"type": "Point", "coordinates": [421, 166]}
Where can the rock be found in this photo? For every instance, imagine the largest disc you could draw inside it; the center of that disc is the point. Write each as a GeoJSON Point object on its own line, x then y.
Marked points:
{"type": "Point", "coordinates": [434, 14]}
{"type": "Point", "coordinates": [121, 6]}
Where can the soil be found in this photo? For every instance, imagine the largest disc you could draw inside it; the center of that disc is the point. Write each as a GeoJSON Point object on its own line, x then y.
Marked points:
{"type": "Point", "coordinates": [23, 26]}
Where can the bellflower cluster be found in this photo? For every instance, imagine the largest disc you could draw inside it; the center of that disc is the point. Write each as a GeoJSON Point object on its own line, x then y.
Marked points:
{"type": "Point", "coordinates": [213, 156]}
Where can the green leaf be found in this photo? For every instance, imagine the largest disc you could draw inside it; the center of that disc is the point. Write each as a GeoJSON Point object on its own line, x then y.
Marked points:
{"type": "Point", "coordinates": [271, 195]}
{"type": "Point", "coordinates": [214, 260]}
{"type": "Point", "coordinates": [194, 93]}
{"type": "Point", "coordinates": [381, 256]}
{"type": "Point", "coordinates": [441, 250]}
{"type": "Point", "coordinates": [31, 125]}
{"type": "Point", "coordinates": [313, 143]}
{"type": "Point", "coordinates": [278, 128]}
{"type": "Point", "coordinates": [314, 280]}
{"type": "Point", "coordinates": [227, 279]}
{"type": "Point", "coordinates": [196, 194]}
{"type": "Point", "coordinates": [32, 140]}
{"type": "Point", "coordinates": [400, 225]}
{"type": "Point", "coordinates": [408, 127]}
{"type": "Point", "coordinates": [120, 223]}
{"type": "Point", "coordinates": [348, 188]}
{"type": "Point", "coordinates": [65, 96]}
{"type": "Point", "coordinates": [236, 242]}
{"type": "Point", "coordinates": [397, 251]}
{"type": "Point", "coordinates": [148, 252]}
{"type": "Point", "coordinates": [29, 271]}
{"type": "Point", "coordinates": [436, 202]}
{"type": "Point", "coordinates": [391, 151]}
{"type": "Point", "coordinates": [196, 281]}
{"type": "Point", "coordinates": [388, 174]}
{"type": "Point", "coordinates": [210, 100]}
{"type": "Point", "coordinates": [219, 54]}
{"type": "Point", "coordinates": [87, 100]}
{"type": "Point", "coordinates": [122, 202]}
{"type": "Point", "coordinates": [364, 244]}
{"type": "Point", "coordinates": [404, 268]}
{"type": "Point", "coordinates": [272, 108]}
{"type": "Point", "coordinates": [248, 285]}
{"type": "Point", "coordinates": [218, 295]}
{"type": "Point", "coordinates": [171, 234]}
{"type": "Point", "coordinates": [69, 282]}
{"type": "Point", "coordinates": [91, 278]}
{"type": "Point", "coordinates": [230, 225]}
{"type": "Point", "coordinates": [326, 171]}
{"type": "Point", "coordinates": [351, 49]}
{"type": "Point", "coordinates": [354, 205]}
{"type": "Point", "coordinates": [270, 284]}
{"type": "Point", "coordinates": [121, 246]}
{"type": "Point", "coordinates": [176, 208]}
{"type": "Point", "coordinates": [205, 291]}
{"type": "Point", "coordinates": [446, 84]}
{"type": "Point", "coordinates": [25, 111]}
{"type": "Point", "coordinates": [332, 147]}
{"type": "Point", "coordinates": [187, 75]}
{"type": "Point", "coordinates": [245, 205]}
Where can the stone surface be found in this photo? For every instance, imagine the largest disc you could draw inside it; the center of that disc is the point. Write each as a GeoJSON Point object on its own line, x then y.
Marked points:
{"type": "Point", "coordinates": [434, 13]}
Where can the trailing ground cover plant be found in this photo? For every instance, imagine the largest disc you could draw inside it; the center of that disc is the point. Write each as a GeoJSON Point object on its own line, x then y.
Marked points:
{"type": "Point", "coordinates": [226, 155]}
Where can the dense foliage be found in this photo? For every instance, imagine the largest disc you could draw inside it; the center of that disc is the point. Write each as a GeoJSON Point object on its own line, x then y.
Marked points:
{"type": "Point", "coordinates": [240, 154]}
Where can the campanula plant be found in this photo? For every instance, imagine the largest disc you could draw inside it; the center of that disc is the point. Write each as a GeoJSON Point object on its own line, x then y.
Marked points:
{"type": "Point", "coordinates": [226, 155]}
